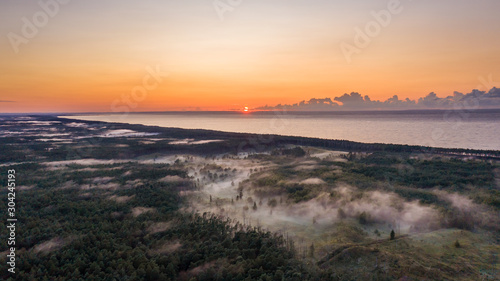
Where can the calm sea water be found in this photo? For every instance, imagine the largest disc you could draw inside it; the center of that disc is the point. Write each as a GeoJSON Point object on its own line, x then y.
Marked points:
{"type": "Point", "coordinates": [451, 129]}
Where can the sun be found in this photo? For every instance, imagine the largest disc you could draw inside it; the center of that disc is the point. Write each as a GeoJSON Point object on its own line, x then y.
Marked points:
{"type": "Point", "coordinates": [245, 109]}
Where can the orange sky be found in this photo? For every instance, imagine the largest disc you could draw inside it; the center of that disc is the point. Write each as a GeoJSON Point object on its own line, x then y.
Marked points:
{"type": "Point", "coordinates": [91, 56]}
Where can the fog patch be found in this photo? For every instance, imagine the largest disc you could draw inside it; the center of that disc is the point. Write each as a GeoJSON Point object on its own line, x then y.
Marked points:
{"type": "Point", "coordinates": [166, 248]}
{"type": "Point", "coordinates": [76, 125]}
{"type": "Point", "coordinates": [9, 133]}
{"type": "Point", "coordinates": [39, 123]}
{"type": "Point", "coordinates": [56, 140]}
{"type": "Point", "coordinates": [458, 201]}
{"type": "Point", "coordinates": [327, 154]}
{"type": "Point", "coordinates": [159, 227]}
{"type": "Point", "coordinates": [53, 244]}
{"type": "Point", "coordinates": [163, 159]}
{"type": "Point", "coordinates": [84, 162]}
{"type": "Point", "coordinates": [465, 214]}
{"type": "Point", "coordinates": [53, 135]}
{"type": "Point", "coordinates": [102, 180]}
{"type": "Point", "coordinates": [305, 167]}
{"type": "Point", "coordinates": [120, 199]}
{"type": "Point", "coordinates": [172, 179]}
{"type": "Point", "coordinates": [101, 183]}
{"type": "Point", "coordinates": [122, 145]}
{"type": "Point", "coordinates": [26, 187]}
{"type": "Point", "coordinates": [68, 185]}
{"type": "Point", "coordinates": [133, 183]}
{"type": "Point", "coordinates": [193, 141]}
{"type": "Point", "coordinates": [125, 133]}
{"type": "Point", "coordinates": [85, 195]}
{"type": "Point", "coordinates": [22, 118]}
{"type": "Point", "coordinates": [137, 211]}
{"type": "Point", "coordinates": [309, 219]}
{"type": "Point", "coordinates": [313, 181]}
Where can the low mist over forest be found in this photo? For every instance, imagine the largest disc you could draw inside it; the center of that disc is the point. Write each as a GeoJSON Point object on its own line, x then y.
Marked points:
{"type": "Point", "coordinates": [103, 201]}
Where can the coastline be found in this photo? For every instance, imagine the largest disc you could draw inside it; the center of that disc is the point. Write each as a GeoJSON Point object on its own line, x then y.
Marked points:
{"type": "Point", "coordinates": [262, 140]}
{"type": "Point", "coordinates": [434, 129]}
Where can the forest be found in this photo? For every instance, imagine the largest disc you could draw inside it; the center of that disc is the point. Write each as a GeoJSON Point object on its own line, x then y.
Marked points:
{"type": "Point", "coordinates": [98, 201]}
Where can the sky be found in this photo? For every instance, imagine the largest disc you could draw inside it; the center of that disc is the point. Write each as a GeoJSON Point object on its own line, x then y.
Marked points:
{"type": "Point", "coordinates": [157, 55]}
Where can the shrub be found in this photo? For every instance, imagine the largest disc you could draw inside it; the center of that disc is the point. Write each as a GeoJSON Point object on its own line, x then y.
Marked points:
{"type": "Point", "coordinates": [363, 218]}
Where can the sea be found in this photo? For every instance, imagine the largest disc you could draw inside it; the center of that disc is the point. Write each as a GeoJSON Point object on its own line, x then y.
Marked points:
{"type": "Point", "coordinates": [460, 128]}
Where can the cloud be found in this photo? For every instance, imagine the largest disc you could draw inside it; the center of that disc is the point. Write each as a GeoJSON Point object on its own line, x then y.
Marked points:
{"type": "Point", "coordinates": [355, 101]}
{"type": "Point", "coordinates": [6, 101]}
{"type": "Point", "coordinates": [311, 105]}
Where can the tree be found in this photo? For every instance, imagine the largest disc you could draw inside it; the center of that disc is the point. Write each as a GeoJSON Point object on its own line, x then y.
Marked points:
{"type": "Point", "coordinates": [393, 235]}
{"type": "Point", "coordinates": [341, 213]}
{"type": "Point", "coordinates": [272, 203]}
{"type": "Point", "coordinates": [311, 251]}
{"type": "Point", "coordinates": [254, 206]}
{"type": "Point", "coordinates": [363, 218]}
{"type": "Point", "coordinates": [170, 271]}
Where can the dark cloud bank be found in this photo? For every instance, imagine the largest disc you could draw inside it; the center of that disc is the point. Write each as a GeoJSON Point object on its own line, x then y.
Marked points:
{"type": "Point", "coordinates": [355, 101]}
